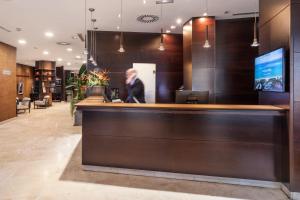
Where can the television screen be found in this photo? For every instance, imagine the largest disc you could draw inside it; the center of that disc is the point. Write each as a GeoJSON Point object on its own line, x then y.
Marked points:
{"type": "Point", "coordinates": [269, 71]}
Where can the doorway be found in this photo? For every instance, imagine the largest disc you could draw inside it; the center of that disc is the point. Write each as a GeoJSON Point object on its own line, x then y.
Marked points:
{"type": "Point", "coordinates": [147, 73]}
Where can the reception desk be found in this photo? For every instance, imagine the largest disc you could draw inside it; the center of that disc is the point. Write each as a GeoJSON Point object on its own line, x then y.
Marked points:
{"type": "Point", "coordinates": [237, 141]}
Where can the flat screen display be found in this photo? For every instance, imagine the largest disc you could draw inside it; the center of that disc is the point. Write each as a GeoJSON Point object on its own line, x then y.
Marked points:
{"type": "Point", "coordinates": [270, 71]}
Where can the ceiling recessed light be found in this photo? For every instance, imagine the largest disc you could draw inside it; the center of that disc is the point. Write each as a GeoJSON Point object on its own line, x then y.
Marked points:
{"type": "Point", "coordinates": [69, 64]}
{"type": "Point", "coordinates": [168, 31]}
{"type": "Point", "coordinates": [179, 21]}
{"type": "Point", "coordinates": [45, 52]}
{"type": "Point", "coordinates": [173, 27]}
{"type": "Point", "coordinates": [78, 57]}
{"type": "Point", "coordinates": [69, 49]}
{"type": "Point", "coordinates": [59, 59]}
{"type": "Point", "coordinates": [74, 37]}
{"type": "Point", "coordinates": [49, 34]}
{"type": "Point", "coordinates": [84, 62]}
{"type": "Point", "coordinates": [119, 15]}
{"type": "Point", "coordinates": [118, 27]}
{"type": "Point", "coordinates": [144, 1]}
{"type": "Point", "coordinates": [205, 14]}
{"type": "Point", "coordinates": [21, 41]}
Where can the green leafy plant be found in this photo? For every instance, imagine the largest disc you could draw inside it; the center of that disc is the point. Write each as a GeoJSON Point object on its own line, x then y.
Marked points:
{"type": "Point", "coordinates": [79, 83]}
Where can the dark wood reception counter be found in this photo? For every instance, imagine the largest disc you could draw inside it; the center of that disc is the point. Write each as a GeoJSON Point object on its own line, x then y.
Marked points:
{"type": "Point", "coordinates": [238, 141]}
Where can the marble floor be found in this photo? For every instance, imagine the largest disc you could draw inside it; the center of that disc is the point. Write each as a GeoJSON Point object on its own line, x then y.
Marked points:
{"type": "Point", "coordinates": [40, 158]}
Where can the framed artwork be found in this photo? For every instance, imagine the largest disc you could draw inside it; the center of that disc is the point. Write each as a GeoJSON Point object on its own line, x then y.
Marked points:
{"type": "Point", "coordinates": [20, 87]}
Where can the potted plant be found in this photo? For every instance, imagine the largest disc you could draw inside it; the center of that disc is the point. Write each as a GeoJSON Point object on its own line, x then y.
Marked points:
{"type": "Point", "coordinates": [96, 83]}
{"type": "Point", "coordinates": [76, 85]}
{"type": "Point", "coordinates": [84, 84]}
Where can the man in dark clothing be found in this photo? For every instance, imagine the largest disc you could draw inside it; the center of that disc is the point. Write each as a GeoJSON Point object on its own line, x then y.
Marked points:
{"type": "Point", "coordinates": [135, 87]}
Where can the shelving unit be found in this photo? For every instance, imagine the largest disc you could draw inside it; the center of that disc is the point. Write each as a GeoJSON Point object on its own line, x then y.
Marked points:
{"type": "Point", "coordinates": [44, 79]}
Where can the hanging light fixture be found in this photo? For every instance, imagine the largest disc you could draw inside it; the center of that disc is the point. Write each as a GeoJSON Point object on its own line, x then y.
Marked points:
{"type": "Point", "coordinates": [121, 49]}
{"type": "Point", "coordinates": [206, 44]}
{"type": "Point", "coordinates": [91, 59]}
{"type": "Point", "coordinates": [94, 52]}
{"type": "Point", "coordinates": [206, 8]}
{"type": "Point", "coordinates": [85, 51]}
{"type": "Point", "coordinates": [255, 39]}
{"type": "Point", "coordinates": [161, 45]}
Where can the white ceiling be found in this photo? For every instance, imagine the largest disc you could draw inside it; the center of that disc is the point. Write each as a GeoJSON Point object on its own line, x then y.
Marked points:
{"type": "Point", "coordinates": [65, 18]}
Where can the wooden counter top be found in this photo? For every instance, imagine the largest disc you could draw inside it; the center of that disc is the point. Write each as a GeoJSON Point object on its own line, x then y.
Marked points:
{"type": "Point", "coordinates": [97, 104]}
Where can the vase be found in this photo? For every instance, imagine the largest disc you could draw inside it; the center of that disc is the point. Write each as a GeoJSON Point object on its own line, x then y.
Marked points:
{"type": "Point", "coordinates": [95, 91]}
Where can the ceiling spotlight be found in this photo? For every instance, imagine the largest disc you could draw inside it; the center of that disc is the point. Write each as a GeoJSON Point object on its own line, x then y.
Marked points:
{"type": "Point", "coordinates": [75, 37]}
{"type": "Point", "coordinates": [168, 31]}
{"type": "Point", "coordinates": [22, 42]}
{"type": "Point", "coordinates": [205, 14]}
{"type": "Point", "coordinates": [173, 27]}
{"type": "Point", "coordinates": [49, 34]}
{"type": "Point", "coordinates": [45, 52]}
{"type": "Point", "coordinates": [179, 21]}
{"type": "Point", "coordinates": [69, 64]}
{"type": "Point", "coordinates": [69, 49]}
{"type": "Point", "coordinates": [59, 59]}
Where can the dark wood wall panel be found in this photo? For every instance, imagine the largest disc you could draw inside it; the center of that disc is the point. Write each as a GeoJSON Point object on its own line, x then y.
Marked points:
{"type": "Point", "coordinates": [274, 32]}
{"type": "Point", "coordinates": [203, 59]}
{"type": "Point", "coordinates": [143, 48]}
{"type": "Point", "coordinates": [234, 76]}
{"type": "Point", "coordinates": [187, 56]}
{"type": "Point", "coordinates": [7, 82]}
{"type": "Point", "coordinates": [295, 101]}
{"type": "Point", "coordinates": [227, 68]}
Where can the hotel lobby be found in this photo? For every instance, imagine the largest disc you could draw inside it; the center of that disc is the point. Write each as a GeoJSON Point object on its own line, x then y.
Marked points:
{"type": "Point", "coordinates": [150, 99]}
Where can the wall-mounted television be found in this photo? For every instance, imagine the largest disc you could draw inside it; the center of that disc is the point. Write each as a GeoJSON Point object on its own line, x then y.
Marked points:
{"type": "Point", "coordinates": [270, 71]}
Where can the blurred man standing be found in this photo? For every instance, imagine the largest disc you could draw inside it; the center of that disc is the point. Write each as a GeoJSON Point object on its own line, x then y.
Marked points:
{"type": "Point", "coordinates": [135, 87]}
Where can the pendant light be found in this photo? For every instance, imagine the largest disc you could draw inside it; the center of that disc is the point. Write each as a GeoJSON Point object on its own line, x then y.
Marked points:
{"type": "Point", "coordinates": [85, 51]}
{"type": "Point", "coordinates": [94, 52]}
{"type": "Point", "coordinates": [255, 39]}
{"type": "Point", "coordinates": [91, 59]}
{"type": "Point", "coordinates": [161, 45]}
{"type": "Point", "coordinates": [206, 8]}
{"type": "Point", "coordinates": [206, 44]}
{"type": "Point", "coordinates": [121, 49]}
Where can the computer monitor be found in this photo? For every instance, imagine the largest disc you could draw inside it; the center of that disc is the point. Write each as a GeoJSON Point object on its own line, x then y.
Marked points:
{"type": "Point", "coordinates": [192, 97]}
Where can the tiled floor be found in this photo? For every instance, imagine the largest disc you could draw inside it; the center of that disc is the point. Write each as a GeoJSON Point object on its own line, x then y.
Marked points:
{"type": "Point", "coordinates": [40, 158]}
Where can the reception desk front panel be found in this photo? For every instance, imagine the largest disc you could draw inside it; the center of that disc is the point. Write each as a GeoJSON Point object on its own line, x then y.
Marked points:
{"type": "Point", "coordinates": [248, 143]}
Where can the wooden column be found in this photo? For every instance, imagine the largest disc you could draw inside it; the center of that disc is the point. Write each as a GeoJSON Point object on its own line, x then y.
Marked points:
{"type": "Point", "coordinates": [295, 98]}
{"type": "Point", "coordinates": [199, 62]}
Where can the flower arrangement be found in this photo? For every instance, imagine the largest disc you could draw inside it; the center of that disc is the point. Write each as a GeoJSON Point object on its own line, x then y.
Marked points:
{"type": "Point", "coordinates": [86, 81]}
{"type": "Point", "coordinates": [94, 78]}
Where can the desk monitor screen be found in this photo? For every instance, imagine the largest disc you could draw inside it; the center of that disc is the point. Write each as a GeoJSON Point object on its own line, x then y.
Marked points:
{"type": "Point", "coordinates": [269, 71]}
{"type": "Point", "coordinates": [192, 97]}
